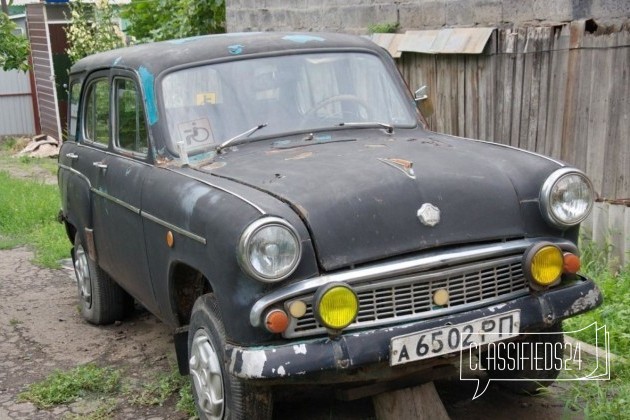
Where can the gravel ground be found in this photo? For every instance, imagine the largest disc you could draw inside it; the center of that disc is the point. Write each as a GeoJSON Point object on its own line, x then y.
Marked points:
{"type": "Point", "coordinates": [41, 330]}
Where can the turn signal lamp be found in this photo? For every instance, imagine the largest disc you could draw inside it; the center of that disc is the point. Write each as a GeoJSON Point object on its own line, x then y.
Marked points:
{"type": "Point", "coordinates": [543, 264]}
{"type": "Point", "coordinates": [336, 306]}
{"type": "Point", "coordinates": [276, 321]}
{"type": "Point", "coordinates": [571, 263]}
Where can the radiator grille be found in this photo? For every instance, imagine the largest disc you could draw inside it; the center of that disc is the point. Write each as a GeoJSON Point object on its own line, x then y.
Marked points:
{"type": "Point", "coordinates": [410, 297]}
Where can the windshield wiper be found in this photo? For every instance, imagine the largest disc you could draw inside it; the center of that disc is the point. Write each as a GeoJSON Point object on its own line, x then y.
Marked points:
{"type": "Point", "coordinates": [388, 127]}
{"type": "Point", "coordinates": [240, 136]}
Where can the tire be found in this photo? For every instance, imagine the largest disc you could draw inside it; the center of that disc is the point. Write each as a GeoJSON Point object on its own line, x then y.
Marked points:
{"type": "Point", "coordinates": [217, 393]}
{"type": "Point", "coordinates": [101, 300]}
{"type": "Point", "coordinates": [539, 377]}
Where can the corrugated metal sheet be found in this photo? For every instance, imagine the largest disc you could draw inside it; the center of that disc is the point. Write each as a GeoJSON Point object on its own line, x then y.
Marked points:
{"type": "Point", "coordinates": [439, 41]}
{"type": "Point", "coordinates": [16, 105]}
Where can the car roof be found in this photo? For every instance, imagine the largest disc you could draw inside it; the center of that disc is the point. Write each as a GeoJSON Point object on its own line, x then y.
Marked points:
{"type": "Point", "coordinates": [156, 57]}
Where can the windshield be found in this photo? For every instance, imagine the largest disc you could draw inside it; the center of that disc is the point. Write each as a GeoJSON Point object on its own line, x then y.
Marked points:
{"type": "Point", "coordinates": [207, 105]}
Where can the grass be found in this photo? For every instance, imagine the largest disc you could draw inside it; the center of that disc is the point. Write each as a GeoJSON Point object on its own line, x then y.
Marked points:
{"type": "Point", "coordinates": [66, 387]}
{"type": "Point", "coordinates": [28, 214]}
{"type": "Point", "coordinates": [165, 385]}
{"type": "Point", "coordinates": [104, 385]}
{"type": "Point", "coordinates": [605, 399]}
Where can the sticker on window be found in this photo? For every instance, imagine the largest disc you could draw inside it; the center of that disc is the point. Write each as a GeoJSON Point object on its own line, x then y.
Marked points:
{"type": "Point", "coordinates": [197, 134]}
{"type": "Point", "coordinates": [206, 98]}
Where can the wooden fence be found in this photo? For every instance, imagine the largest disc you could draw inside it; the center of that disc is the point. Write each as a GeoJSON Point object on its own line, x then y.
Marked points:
{"type": "Point", "coordinates": [557, 90]}
{"type": "Point", "coordinates": [562, 91]}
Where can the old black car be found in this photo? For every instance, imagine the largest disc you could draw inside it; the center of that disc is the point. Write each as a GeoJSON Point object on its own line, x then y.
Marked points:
{"type": "Point", "coordinates": [277, 199]}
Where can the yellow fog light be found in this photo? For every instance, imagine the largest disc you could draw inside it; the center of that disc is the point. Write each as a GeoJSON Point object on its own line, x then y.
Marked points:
{"type": "Point", "coordinates": [336, 306]}
{"type": "Point", "coordinates": [543, 264]}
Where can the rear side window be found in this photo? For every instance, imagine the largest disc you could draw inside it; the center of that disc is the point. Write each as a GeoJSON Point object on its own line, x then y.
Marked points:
{"type": "Point", "coordinates": [131, 129]}
{"type": "Point", "coordinates": [97, 112]}
{"type": "Point", "coordinates": [75, 91]}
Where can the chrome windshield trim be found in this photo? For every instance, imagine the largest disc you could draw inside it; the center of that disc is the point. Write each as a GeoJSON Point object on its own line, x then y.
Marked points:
{"type": "Point", "coordinates": [429, 261]}
{"type": "Point", "coordinates": [118, 201]}
{"type": "Point", "coordinates": [172, 227]}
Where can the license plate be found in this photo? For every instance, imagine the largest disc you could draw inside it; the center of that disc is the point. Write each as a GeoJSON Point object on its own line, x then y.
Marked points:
{"type": "Point", "coordinates": [438, 341]}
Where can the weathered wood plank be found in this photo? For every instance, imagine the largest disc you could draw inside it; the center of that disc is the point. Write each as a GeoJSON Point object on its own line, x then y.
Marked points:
{"type": "Point", "coordinates": [518, 87]}
{"type": "Point", "coordinates": [545, 75]}
{"type": "Point", "coordinates": [419, 403]}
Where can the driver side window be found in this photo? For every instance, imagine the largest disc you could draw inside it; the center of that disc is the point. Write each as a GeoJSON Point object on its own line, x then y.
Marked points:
{"type": "Point", "coordinates": [96, 126]}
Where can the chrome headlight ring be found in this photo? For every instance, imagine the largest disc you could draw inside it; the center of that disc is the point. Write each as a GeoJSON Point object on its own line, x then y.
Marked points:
{"type": "Point", "coordinates": [566, 198]}
{"type": "Point", "coordinates": [269, 249]}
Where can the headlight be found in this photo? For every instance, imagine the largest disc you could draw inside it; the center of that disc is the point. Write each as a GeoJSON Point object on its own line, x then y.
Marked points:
{"type": "Point", "coordinates": [269, 249]}
{"type": "Point", "coordinates": [566, 198]}
{"type": "Point", "coordinates": [543, 264]}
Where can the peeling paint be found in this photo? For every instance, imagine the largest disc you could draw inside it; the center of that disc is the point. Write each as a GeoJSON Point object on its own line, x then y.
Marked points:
{"type": "Point", "coordinates": [253, 363]}
{"type": "Point", "coordinates": [583, 303]}
{"type": "Point", "coordinates": [299, 348]}
{"type": "Point", "coordinates": [281, 371]}
{"type": "Point", "coordinates": [300, 156]}
{"type": "Point", "coordinates": [147, 79]}
{"type": "Point", "coordinates": [496, 308]}
{"type": "Point", "coordinates": [236, 49]}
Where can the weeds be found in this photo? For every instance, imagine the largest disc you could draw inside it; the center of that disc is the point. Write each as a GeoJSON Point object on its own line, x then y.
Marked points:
{"type": "Point", "coordinates": [604, 399]}
{"type": "Point", "coordinates": [384, 28]}
{"type": "Point", "coordinates": [163, 387]}
{"type": "Point", "coordinates": [28, 216]}
{"type": "Point", "coordinates": [65, 387]}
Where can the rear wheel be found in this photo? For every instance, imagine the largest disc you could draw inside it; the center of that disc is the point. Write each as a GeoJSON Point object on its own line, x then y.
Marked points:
{"type": "Point", "coordinates": [540, 372]}
{"type": "Point", "coordinates": [101, 300]}
{"type": "Point", "coordinates": [218, 394]}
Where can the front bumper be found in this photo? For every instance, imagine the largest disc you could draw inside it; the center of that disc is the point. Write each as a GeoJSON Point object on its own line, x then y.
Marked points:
{"type": "Point", "coordinates": [355, 350]}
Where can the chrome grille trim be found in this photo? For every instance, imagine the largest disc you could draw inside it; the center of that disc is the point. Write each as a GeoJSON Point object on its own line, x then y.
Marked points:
{"type": "Point", "coordinates": [409, 297]}
{"type": "Point", "coordinates": [427, 261]}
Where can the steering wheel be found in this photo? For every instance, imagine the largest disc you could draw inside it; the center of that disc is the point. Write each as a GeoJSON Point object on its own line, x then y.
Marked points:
{"type": "Point", "coordinates": [339, 98]}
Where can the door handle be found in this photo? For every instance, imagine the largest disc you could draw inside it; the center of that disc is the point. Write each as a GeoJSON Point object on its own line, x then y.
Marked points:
{"type": "Point", "coordinates": [72, 156]}
{"type": "Point", "coordinates": [100, 165]}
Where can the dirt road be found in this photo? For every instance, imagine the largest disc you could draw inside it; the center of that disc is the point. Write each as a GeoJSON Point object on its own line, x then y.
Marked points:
{"type": "Point", "coordinates": [41, 330]}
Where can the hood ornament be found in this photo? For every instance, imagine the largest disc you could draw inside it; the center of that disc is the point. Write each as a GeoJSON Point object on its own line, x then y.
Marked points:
{"type": "Point", "coordinates": [429, 214]}
{"type": "Point", "coordinates": [402, 165]}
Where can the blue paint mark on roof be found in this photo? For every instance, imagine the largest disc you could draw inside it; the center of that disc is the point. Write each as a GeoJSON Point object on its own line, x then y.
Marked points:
{"type": "Point", "coordinates": [185, 40]}
{"type": "Point", "coordinates": [116, 61]}
{"type": "Point", "coordinates": [303, 39]}
{"type": "Point", "coordinates": [235, 49]}
{"type": "Point", "coordinates": [147, 79]}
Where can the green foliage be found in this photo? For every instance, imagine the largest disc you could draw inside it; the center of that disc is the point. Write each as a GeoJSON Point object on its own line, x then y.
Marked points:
{"type": "Point", "coordinates": [169, 19]}
{"type": "Point", "coordinates": [604, 399]}
{"type": "Point", "coordinates": [65, 387]}
{"type": "Point", "coordinates": [158, 391]}
{"type": "Point", "coordinates": [28, 216]}
{"type": "Point", "coordinates": [92, 29]}
{"type": "Point", "coordinates": [14, 49]}
{"type": "Point", "coordinates": [384, 28]}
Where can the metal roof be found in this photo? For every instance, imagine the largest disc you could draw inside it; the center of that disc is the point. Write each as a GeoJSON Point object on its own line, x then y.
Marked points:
{"type": "Point", "coordinates": [438, 41]}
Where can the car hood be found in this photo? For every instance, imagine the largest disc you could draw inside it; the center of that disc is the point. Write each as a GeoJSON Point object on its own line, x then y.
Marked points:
{"type": "Point", "coordinates": [360, 199]}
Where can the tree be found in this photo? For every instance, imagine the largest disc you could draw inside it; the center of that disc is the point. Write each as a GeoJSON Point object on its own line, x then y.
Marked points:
{"type": "Point", "coordinates": [14, 49]}
{"type": "Point", "coordinates": [92, 29]}
{"type": "Point", "coordinates": [168, 19]}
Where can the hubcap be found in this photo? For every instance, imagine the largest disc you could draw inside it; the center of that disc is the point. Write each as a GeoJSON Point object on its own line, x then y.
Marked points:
{"type": "Point", "coordinates": [82, 273]}
{"type": "Point", "coordinates": [205, 369]}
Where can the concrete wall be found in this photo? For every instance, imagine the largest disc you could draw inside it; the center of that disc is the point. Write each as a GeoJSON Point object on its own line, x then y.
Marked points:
{"type": "Point", "coordinates": [354, 16]}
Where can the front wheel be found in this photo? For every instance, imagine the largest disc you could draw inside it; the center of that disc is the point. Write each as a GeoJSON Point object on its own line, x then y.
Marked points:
{"type": "Point", "coordinates": [101, 300]}
{"type": "Point", "coordinates": [218, 394]}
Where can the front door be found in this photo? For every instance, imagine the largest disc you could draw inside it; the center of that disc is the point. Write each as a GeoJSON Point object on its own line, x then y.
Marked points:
{"type": "Point", "coordinates": [117, 180]}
